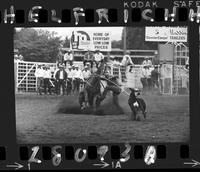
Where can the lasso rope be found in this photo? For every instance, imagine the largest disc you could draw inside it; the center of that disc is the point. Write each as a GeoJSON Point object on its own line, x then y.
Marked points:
{"type": "Point", "coordinates": [114, 84]}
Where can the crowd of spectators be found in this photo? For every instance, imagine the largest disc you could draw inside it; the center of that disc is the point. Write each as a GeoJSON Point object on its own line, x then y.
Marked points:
{"type": "Point", "coordinates": [62, 80]}
{"type": "Point", "coordinates": [71, 78]}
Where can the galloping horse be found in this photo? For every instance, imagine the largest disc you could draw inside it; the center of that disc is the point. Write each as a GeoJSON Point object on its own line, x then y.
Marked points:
{"type": "Point", "coordinates": [92, 88]}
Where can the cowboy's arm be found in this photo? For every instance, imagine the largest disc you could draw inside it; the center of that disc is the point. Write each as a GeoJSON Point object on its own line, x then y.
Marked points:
{"type": "Point", "coordinates": [130, 60]}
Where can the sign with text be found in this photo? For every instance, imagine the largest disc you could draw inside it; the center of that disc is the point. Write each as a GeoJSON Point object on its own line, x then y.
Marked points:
{"type": "Point", "coordinates": [166, 34]}
{"type": "Point", "coordinates": [102, 41]}
{"type": "Point", "coordinates": [81, 40]}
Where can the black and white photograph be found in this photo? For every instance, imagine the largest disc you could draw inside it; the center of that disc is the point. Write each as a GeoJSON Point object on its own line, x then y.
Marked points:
{"type": "Point", "coordinates": [101, 84]}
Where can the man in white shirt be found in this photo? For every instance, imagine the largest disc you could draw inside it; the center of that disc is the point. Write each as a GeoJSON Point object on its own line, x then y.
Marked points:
{"type": "Point", "coordinates": [149, 78]}
{"type": "Point", "coordinates": [147, 62]}
{"type": "Point", "coordinates": [145, 76]}
{"type": "Point", "coordinates": [68, 58]}
{"type": "Point", "coordinates": [47, 77]}
{"type": "Point", "coordinates": [39, 73]}
{"type": "Point", "coordinates": [127, 61]}
{"type": "Point", "coordinates": [98, 57]}
{"type": "Point", "coordinates": [77, 78]}
{"type": "Point", "coordinates": [116, 62]}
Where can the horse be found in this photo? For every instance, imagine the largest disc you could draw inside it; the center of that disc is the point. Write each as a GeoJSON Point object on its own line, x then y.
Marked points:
{"type": "Point", "coordinates": [92, 89]}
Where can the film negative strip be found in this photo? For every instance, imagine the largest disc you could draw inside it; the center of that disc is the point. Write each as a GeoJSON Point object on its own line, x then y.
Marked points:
{"type": "Point", "coordinates": [97, 84]}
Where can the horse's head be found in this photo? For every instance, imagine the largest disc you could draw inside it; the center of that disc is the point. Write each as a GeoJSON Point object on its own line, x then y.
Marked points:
{"type": "Point", "coordinates": [93, 83]}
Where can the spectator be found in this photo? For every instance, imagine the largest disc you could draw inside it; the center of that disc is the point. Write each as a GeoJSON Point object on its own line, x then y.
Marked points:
{"type": "Point", "coordinates": [127, 61]}
{"type": "Point", "coordinates": [68, 58]}
{"type": "Point", "coordinates": [145, 78]}
{"type": "Point", "coordinates": [61, 77]}
{"type": "Point", "coordinates": [73, 73]}
{"type": "Point", "coordinates": [155, 75]}
{"type": "Point", "coordinates": [147, 61]}
{"type": "Point", "coordinates": [116, 62]}
{"type": "Point", "coordinates": [149, 79]}
{"type": "Point", "coordinates": [47, 77]}
{"type": "Point", "coordinates": [69, 80]}
{"type": "Point", "coordinates": [77, 79]}
{"type": "Point", "coordinates": [39, 74]}
{"type": "Point", "coordinates": [109, 61]}
{"type": "Point", "coordinates": [89, 57]}
{"type": "Point", "coordinates": [98, 57]}
{"type": "Point", "coordinates": [187, 64]}
{"type": "Point", "coordinates": [20, 57]}
{"type": "Point", "coordinates": [54, 76]}
{"type": "Point", "coordinates": [186, 75]}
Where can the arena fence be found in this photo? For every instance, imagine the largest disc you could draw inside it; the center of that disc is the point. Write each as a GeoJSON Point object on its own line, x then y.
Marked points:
{"type": "Point", "coordinates": [25, 80]}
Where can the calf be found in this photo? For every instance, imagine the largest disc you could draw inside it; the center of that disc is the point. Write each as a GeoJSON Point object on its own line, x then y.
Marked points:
{"type": "Point", "coordinates": [136, 104]}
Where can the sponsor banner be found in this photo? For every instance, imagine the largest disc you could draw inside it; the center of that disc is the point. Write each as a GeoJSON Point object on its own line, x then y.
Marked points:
{"type": "Point", "coordinates": [101, 41]}
{"type": "Point", "coordinates": [166, 34]}
{"type": "Point", "coordinates": [81, 40]}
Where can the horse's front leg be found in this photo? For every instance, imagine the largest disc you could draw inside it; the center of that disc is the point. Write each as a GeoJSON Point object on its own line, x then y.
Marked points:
{"type": "Point", "coordinates": [96, 97]}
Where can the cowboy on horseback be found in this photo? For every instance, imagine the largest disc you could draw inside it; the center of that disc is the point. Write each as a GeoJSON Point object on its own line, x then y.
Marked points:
{"type": "Point", "coordinates": [92, 88]}
{"type": "Point", "coordinates": [112, 85]}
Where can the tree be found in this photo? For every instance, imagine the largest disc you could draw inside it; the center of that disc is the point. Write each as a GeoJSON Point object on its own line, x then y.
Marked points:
{"type": "Point", "coordinates": [117, 44]}
{"type": "Point", "coordinates": [135, 39]}
{"type": "Point", "coordinates": [40, 46]}
{"type": "Point", "coordinates": [66, 42]}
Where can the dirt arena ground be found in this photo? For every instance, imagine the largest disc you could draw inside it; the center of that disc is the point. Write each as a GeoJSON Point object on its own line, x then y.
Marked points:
{"type": "Point", "coordinates": [38, 121]}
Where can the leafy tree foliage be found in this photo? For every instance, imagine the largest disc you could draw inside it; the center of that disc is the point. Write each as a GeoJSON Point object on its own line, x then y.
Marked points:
{"type": "Point", "coordinates": [39, 46]}
{"type": "Point", "coordinates": [66, 42]}
{"type": "Point", "coordinates": [117, 44]}
{"type": "Point", "coordinates": [135, 39]}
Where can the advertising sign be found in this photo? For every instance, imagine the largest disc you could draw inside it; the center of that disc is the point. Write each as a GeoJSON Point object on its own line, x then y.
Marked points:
{"type": "Point", "coordinates": [166, 34]}
{"type": "Point", "coordinates": [81, 40]}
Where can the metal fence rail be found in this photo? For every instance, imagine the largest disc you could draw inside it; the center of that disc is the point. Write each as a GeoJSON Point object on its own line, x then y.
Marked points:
{"type": "Point", "coordinates": [25, 80]}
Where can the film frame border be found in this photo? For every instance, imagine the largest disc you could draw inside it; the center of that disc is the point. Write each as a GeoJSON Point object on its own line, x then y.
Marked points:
{"type": "Point", "coordinates": [190, 159]}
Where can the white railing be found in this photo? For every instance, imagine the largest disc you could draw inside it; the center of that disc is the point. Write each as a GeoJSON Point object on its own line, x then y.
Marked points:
{"type": "Point", "coordinates": [25, 80]}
